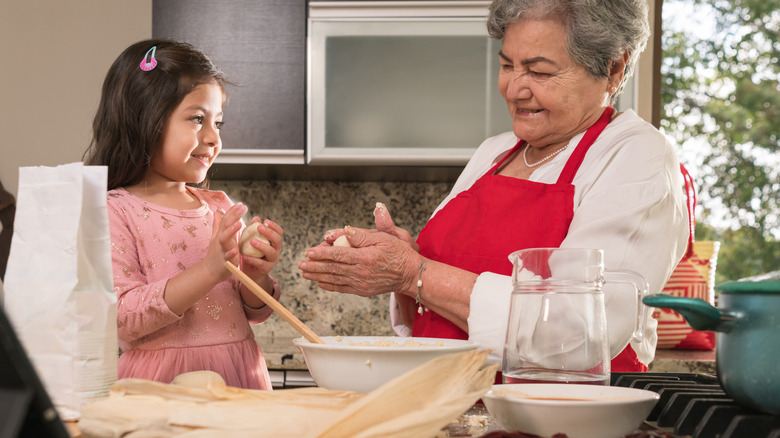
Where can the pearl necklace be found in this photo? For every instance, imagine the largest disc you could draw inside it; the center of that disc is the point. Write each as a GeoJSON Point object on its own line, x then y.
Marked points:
{"type": "Point", "coordinates": [525, 159]}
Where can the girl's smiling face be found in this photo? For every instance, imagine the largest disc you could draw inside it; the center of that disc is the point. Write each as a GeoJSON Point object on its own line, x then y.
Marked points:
{"type": "Point", "coordinates": [550, 98]}
{"type": "Point", "coordinates": [191, 137]}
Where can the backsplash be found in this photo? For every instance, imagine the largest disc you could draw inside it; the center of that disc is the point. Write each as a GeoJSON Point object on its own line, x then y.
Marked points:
{"type": "Point", "coordinates": [305, 210]}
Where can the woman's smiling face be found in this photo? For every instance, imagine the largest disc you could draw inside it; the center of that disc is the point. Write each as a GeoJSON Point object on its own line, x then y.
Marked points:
{"type": "Point", "coordinates": [550, 98]}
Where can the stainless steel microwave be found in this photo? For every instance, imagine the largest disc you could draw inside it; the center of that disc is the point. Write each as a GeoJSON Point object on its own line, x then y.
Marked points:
{"type": "Point", "coordinates": [400, 82]}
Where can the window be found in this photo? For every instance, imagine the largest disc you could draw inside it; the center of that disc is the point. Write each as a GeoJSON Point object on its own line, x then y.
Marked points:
{"type": "Point", "coordinates": [720, 99]}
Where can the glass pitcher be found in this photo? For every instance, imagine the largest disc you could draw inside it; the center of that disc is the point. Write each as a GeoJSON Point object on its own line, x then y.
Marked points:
{"type": "Point", "coordinates": [557, 330]}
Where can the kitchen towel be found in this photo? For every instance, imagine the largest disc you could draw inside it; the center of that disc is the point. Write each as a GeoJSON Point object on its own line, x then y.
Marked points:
{"type": "Point", "coordinates": [694, 277]}
{"type": "Point", "coordinates": [59, 284]}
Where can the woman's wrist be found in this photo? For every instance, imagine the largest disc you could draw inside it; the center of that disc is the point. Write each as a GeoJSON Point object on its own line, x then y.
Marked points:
{"type": "Point", "coordinates": [418, 298]}
{"type": "Point", "coordinates": [412, 275]}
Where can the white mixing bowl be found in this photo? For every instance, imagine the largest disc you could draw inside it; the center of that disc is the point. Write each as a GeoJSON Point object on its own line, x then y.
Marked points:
{"type": "Point", "coordinates": [364, 363]}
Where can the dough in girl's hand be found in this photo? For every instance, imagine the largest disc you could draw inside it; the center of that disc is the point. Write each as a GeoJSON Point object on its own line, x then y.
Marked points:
{"type": "Point", "coordinates": [342, 241]}
{"type": "Point", "coordinates": [245, 245]}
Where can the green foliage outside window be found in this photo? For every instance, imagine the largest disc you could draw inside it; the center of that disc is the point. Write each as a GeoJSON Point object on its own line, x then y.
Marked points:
{"type": "Point", "coordinates": [721, 95]}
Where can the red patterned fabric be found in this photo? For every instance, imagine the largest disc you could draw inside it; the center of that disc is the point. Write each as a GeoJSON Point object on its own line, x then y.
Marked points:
{"type": "Point", "coordinates": [693, 277]}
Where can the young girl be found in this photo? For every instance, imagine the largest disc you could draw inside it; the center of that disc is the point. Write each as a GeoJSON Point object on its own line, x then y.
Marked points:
{"type": "Point", "coordinates": [157, 129]}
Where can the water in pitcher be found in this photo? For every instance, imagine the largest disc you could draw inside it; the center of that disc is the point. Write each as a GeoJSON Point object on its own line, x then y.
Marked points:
{"type": "Point", "coordinates": [547, 376]}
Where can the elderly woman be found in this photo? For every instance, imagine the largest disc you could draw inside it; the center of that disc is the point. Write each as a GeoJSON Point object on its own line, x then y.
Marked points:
{"type": "Point", "coordinates": [572, 173]}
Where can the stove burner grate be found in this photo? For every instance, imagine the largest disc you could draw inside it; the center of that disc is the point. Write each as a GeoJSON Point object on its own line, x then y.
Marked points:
{"type": "Point", "coordinates": [695, 405]}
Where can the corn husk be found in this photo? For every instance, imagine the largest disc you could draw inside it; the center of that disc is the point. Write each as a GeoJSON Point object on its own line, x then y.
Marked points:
{"type": "Point", "coordinates": [417, 404]}
{"type": "Point", "coordinates": [162, 410]}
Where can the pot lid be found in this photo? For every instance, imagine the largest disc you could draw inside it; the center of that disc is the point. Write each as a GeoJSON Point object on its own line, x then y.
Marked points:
{"type": "Point", "coordinates": [768, 283]}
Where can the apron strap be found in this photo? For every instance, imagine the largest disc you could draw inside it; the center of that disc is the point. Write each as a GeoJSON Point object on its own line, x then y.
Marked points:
{"type": "Point", "coordinates": [567, 175]}
{"type": "Point", "coordinates": [690, 193]}
{"type": "Point", "coordinates": [493, 169]}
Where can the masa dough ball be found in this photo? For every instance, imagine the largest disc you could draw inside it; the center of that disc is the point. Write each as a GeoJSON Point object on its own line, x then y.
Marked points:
{"type": "Point", "coordinates": [342, 241]}
{"type": "Point", "coordinates": [245, 245]}
{"type": "Point", "coordinates": [198, 379]}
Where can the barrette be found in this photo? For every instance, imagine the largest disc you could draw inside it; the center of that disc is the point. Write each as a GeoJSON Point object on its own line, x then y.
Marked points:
{"type": "Point", "coordinates": [149, 62]}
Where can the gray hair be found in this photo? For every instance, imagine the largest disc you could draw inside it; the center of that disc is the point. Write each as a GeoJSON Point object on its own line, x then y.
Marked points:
{"type": "Point", "coordinates": [597, 31]}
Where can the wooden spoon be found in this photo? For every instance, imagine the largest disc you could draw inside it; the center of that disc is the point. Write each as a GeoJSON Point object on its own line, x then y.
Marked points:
{"type": "Point", "coordinates": [275, 305]}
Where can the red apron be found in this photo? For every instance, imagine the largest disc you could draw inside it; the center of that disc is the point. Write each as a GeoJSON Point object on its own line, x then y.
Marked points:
{"type": "Point", "coordinates": [481, 226]}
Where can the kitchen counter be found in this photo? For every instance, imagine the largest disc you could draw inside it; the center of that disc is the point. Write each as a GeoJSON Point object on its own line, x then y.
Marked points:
{"type": "Point", "coordinates": [281, 354]}
{"type": "Point", "coordinates": [683, 361]}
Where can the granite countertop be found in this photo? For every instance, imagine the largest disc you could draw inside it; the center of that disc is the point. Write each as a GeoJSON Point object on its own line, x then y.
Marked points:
{"type": "Point", "coordinates": [281, 354]}
{"type": "Point", "coordinates": [683, 361]}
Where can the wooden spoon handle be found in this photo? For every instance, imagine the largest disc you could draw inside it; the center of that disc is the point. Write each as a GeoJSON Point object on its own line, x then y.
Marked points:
{"type": "Point", "coordinates": [275, 305]}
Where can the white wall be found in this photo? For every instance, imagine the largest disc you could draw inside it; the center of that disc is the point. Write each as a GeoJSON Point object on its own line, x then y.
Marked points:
{"type": "Point", "coordinates": [55, 55]}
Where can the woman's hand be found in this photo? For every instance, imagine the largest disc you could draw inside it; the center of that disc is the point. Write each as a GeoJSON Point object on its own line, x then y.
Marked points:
{"type": "Point", "coordinates": [377, 263]}
{"type": "Point", "coordinates": [385, 223]}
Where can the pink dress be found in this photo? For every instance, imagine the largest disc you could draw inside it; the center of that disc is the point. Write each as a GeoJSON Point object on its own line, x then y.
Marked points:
{"type": "Point", "coordinates": [149, 245]}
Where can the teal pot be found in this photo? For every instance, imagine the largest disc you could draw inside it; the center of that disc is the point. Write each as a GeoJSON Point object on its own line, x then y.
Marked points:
{"type": "Point", "coordinates": [748, 343]}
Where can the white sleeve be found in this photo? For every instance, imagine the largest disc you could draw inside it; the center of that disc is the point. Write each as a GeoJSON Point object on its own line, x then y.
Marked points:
{"type": "Point", "coordinates": [634, 211]}
{"type": "Point", "coordinates": [395, 319]}
{"type": "Point", "coordinates": [489, 313]}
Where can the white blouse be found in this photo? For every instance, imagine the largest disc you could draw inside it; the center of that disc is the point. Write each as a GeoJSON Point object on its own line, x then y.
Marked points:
{"type": "Point", "coordinates": [628, 201]}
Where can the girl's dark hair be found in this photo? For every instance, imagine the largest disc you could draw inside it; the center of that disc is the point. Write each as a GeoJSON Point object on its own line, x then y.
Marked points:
{"type": "Point", "coordinates": [135, 105]}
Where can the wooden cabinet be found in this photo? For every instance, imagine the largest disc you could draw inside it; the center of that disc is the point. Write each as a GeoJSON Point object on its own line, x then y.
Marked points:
{"type": "Point", "coordinates": [261, 47]}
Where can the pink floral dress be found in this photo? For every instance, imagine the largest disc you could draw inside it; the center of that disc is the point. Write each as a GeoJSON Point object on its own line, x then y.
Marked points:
{"type": "Point", "coordinates": [149, 245]}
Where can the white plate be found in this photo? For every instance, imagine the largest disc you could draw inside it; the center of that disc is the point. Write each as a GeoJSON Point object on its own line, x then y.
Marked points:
{"type": "Point", "coordinates": [579, 411]}
{"type": "Point", "coordinates": [364, 363]}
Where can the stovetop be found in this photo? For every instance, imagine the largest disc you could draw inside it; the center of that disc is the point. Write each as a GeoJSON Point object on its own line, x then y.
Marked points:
{"type": "Point", "coordinates": [695, 405]}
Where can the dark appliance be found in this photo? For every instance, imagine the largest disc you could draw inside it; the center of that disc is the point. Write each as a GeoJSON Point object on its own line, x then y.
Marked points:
{"type": "Point", "coordinates": [695, 405]}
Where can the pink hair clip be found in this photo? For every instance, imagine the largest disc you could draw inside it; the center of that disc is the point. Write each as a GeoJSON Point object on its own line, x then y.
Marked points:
{"type": "Point", "coordinates": [149, 62]}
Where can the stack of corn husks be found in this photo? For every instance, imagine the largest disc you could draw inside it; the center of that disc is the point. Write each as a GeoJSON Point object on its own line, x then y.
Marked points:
{"type": "Point", "coordinates": [417, 404]}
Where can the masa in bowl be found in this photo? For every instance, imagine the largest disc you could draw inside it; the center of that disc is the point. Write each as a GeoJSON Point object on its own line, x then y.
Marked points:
{"type": "Point", "coordinates": [364, 363]}
{"type": "Point", "coordinates": [579, 411]}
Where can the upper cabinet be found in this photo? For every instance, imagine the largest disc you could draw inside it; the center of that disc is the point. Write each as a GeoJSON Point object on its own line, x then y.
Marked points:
{"type": "Point", "coordinates": [334, 83]}
{"type": "Point", "coordinates": [400, 83]}
{"type": "Point", "coordinates": [261, 47]}
{"type": "Point", "coordinates": [347, 82]}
